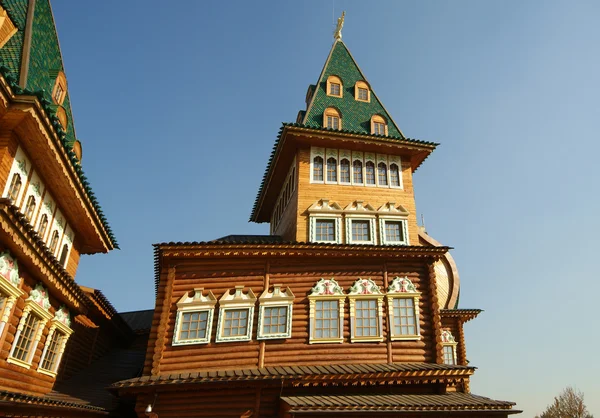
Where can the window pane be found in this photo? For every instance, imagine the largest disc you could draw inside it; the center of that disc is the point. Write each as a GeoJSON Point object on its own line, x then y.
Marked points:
{"type": "Point", "coordinates": [394, 231]}
{"type": "Point", "coordinates": [334, 89]}
{"type": "Point", "coordinates": [361, 231]}
{"type": "Point", "coordinates": [328, 327]}
{"type": "Point", "coordinates": [449, 355]}
{"type": "Point", "coordinates": [366, 318]}
{"type": "Point", "coordinates": [26, 337]}
{"type": "Point", "coordinates": [193, 325]}
{"type": "Point", "coordinates": [357, 172]}
{"type": "Point", "coordinates": [331, 169]}
{"type": "Point", "coordinates": [236, 323]}
{"type": "Point", "coordinates": [404, 317]}
{"type": "Point", "coordinates": [318, 169]}
{"type": "Point", "coordinates": [394, 175]}
{"type": "Point", "coordinates": [363, 94]}
{"type": "Point", "coordinates": [370, 169]}
{"type": "Point", "coordinates": [52, 352]}
{"type": "Point", "coordinates": [274, 320]}
{"type": "Point", "coordinates": [333, 122]}
{"type": "Point", "coordinates": [345, 171]}
{"type": "Point", "coordinates": [382, 171]}
{"type": "Point", "coordinates": [325, 230]}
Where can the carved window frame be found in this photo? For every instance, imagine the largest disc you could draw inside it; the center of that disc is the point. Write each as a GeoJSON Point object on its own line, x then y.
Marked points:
{"type": "Point", "coordinates": [390, 213]}
{"type": "Point", "coordinates": [361, 84]}
{"type": "Point", "coordinates": [334, 113]}
{"type": "Point", "coordinates": [236, 301]}
{"type": "Point", "coordinates": [9, 287]}
{"type": "Point", "coordinates": [365, 290]}
{"type": "Point", "coordinates": [448, 342]}
{"type": "Point", "coordinates": [334, 79]}
{"type": "Point", "coordinates": [403, 288]}
{"type": "Point", "coordinates": [326, 290]}
{"type": "Point", "coordinates": [195, 302]}
{"type": "Point", "coordinates": [314, 153]}
{"type": "Point", "coordinates": [370, 158]}
{"type": "Point", "coordinates": [275, 299]}
{"type": "Point", "coordinates": [394, 159]}
{"type": "Point", "coordinates": [322, 210]}
{"type": "Point", "coordinates": [59, 325]}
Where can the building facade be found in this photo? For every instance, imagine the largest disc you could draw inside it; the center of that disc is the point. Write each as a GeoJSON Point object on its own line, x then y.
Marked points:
{"type": "Point", "coordinates": [348, 307]}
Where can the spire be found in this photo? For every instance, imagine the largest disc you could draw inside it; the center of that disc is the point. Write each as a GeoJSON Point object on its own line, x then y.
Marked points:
{"type": "Point", "coordinates": [337, 35]}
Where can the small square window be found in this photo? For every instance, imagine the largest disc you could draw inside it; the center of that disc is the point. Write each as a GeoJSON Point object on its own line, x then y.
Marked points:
{"type": "Point", "coordinates": [393, 232]}
{"type": "Point", "coordinates": [235, 323]}
{"type": "Point", "coordinates": [334, 89]}
{"type": "Point", "coordinates": [325, 230]}
{"type": "Point", "coordinates": [236, 315]}
{"type": "Point", "coordinates": [193, 325]}
{"type": "Point", "coordinates": [274, 320]}
{"type": "Point", "coordinates": [361, 230]}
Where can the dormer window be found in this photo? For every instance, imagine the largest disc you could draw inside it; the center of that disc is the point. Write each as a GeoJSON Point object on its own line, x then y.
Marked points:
{"type": "Point", "coordinates": [332, 119]}
{"type": "Point", "coordinates": [59, 91]}
{"type": "Point", "coordinates": [378, 125]}
{"type": "Point", "coordinates": [334, 86]}
{"type": "Point", "coordinates": [362, 92]}
{"type": "Point", "coordinates": [193, 323]}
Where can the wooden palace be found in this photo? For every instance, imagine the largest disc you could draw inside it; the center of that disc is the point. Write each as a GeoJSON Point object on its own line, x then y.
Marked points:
{"type": "Point", "coordinates": [348, 308]}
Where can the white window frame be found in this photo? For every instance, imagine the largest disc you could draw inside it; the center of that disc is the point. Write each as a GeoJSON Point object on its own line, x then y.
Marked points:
{"type": "Point", "coordinates": [195, 302]}
{"type": "Point", "coordinates": [331, 153]}
{"type": "Point", "coordinates": [369, 158]}
{"type": "Point", "coordinates": [317, 152]}
{"type": "Point", "coordinates": [394, 159]}
{"type": "Point", "coordinates": [357, 156]}
{"type": "Point", "coordinates": [382, 158]}
{"type": "Point", "coordinates": [344, 155]}
{"type": "Point", "coordinates": [326, 290]}
{"type": "Point", "coordinates": [372, 225]}
{"type": "Point", "coordinates": [275, 299]}
{"type": "Point", "coordinates": [449, 341]}
{"type": "Point", "coordinates": [323, 210]}
{"type": "Point", "coordinates": [61, 323]}
{"type": "Point", "coordinates": [22, 166]}
{"type": "Point", "coordinates": [365, 290]}
{"type": "Point", "coordinates": [236, 301]}
{"type": "Point", "coordinates": [403, 288]}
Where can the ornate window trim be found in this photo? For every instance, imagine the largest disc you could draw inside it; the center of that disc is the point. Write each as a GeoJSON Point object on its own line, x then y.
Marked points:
{"type": "Point", "coordinates": [449, 341]}
{"type": "Point", "coordinates": [357, 156]}
{"type": "Point", "coordinates": [9, 286]}
{"type": "Point", "coordinates": [60, 324]}
{"type": "Point", "coordinates": [365, 290]}
{"type": "Point", "coordinates": [314, 153]}
{"type": "Point", "coordinates": [392, 213]}
{"type": "Point", "coordinates": [36, 304]}
{"type": "Point", "coordinates": [196, 302]}
{"type": "Point", "coordinates": [358, 211]}
{"type": "Point", "coordinates": [334, 79]}
{"type": "Point", "coordinates": [236, 301]}
{"type": "Point", "coordinates": [370, 158]}
{"type": "Point", "coordinates": [326, 290]}
{"type": "Point", "coordinates": [403, 288]}
{"type": "Point", "coordinates": [362, 85]}
{"type": "Point", "coordinates": [59, 91]}
{"type": "Point", "coordinates": [275, 299]}
{"type": "Point", "coordinates": [323, 210]}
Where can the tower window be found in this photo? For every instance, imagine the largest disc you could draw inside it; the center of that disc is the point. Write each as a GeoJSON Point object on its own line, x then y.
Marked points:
{"type": "Point", "coordinates": [394, 175]}
{"type": "Point", "coordinates": [54, 241]}
{"type": "Point", "coordinates": [361, 230]}
{"type": "Point", "coordinates": [378, 125]}
{"type": "Point", "coordinates": [362, 92]}
{"type": "Point", "coordinates": [449, 347]}
{"type": "Point", "coordinates": [333, 122]}
{"type": "Point", "coordinates": [378, 128]}
{"type": "Point", "coordinates": [30, 208]}
{"type": "Point", "coordinates": [318, 169]}
{"type": "Point", "coordinates": [43, 226]}
{"type": "Point", "coordinates": [370, 169]}
{"type": "Point", "coordinates": [331, 169]}
{"type": "Point", "coordinates": [344, 171]}
{"type": "Point", "coordinates": [332, 119]}
{"type": "Point", "coordinates": [357, 172]}
{"type": "Point", "coordinates": [334, 86]}
{"type": "Point", "coordinates": [63, 255]}
{"type": "Point", "coordinates": [382, 174]}
{"type": "Point", "coordinates": [325, 230]}
{"type": "Point", "coordinates": [15, 187]}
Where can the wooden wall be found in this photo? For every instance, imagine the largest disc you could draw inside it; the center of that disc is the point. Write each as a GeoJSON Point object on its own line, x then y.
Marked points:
{"type": "Point", "coordinates": [309, 193]}
{"type": "Point", "coordinates": [300, 275]}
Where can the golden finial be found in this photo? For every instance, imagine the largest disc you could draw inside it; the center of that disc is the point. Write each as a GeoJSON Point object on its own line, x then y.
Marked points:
{"type": "Point", "coordinates": [338, 30]}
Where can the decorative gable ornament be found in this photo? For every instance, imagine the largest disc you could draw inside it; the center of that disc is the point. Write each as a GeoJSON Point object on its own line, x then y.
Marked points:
{"type": "Point", "coordinates": [402, 285]}
{"type": "Point", "coordinates": [63, 316]}
{"type": "Point", "coordinates": [364, 287]}
{"type": "Point", "coordinates": [9, 269]}
{"type": "Point", "coordinates": [447, 337]}
{"type": "Point", "coordinates": [39, 296]}
{"type": "Point", "coordinates": [358, 206]}
{"type": "Point", "coordinates": [326, 287]}
{"type": "Point", "coordinates": [197, 298]}
{"type": "Point", "coordinates": [390, 208]}
{"type": "Point", "coordinates": [324, 206]}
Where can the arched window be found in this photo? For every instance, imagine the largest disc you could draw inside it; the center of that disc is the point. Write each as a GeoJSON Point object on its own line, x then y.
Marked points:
{"type": "Point", "coordinates": [54, 242]}
{"type": "Point", "coordinates": [331, 169]}
{"type": "Point", "coordinates": [30, 208]}
{"type": "Point", "coordinates": [357, 173]}
{"type": "Point", "coordinates": [43, 226]}
{"type": "Point", "coordinates": [332, 119]}
{"type": "Point", "coordinates": [63, 255]}
{"type": "Point", "coordinates": [394, 175]}
{"type": "Point", "coordinates": [15, 187]}
{"type": "Point", "coordinates": [334, 86]}
{"type": "Point", "coordinates": [378, 125]}
{"type": "Point", "coordinates": [382, 174]}
{"type": "Point", "coordinates": [362, 92]}
{"type": "Point", "coordinates": [370, 170]}
{"type": "Point", "coordinates": [344, 171]}
{"type": "Point", "coordinates": [318, 168]}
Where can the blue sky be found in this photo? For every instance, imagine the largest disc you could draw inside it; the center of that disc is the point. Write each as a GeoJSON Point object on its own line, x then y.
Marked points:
{"type": "Point", "coordinates": [177, 105]}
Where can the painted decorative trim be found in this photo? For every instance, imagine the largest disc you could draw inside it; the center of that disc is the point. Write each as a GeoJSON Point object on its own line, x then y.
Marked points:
{"type": "Point", "coordinates": [403, 288]}
{"type": "Point", "coordinates": [237, 300]}
{"type": "Point", "coordinates": [449, 341]}
{"type": "Point", "coordinates": [350, 218]}
{"type": "Point", "coordinates": [275, 299]}
{"type": "Point", "coordinates": [326, 289]}
{"type": "Point", "coordinates": [195, 303]}
{"type": "Point", "coordinates": [39, 295]}
{"type": "Point", "coordinates": [317, 152]}
{"type": "Point", "coordinates": [365, 289]}
{"type": "Point", "coordinates": [9, 269]}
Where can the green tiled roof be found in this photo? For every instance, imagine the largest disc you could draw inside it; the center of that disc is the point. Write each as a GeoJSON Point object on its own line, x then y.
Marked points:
{"type": "Point", "coordinates": [356, 115]}
{"type": "Point", "coordinates": [45, 60]}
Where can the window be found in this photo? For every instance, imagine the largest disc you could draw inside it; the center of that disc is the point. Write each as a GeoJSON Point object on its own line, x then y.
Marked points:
{"type": "Point", "coordinates": [60, 330]}
{"type": "Point", "coordinates": [63, 255]}
{"type": "Point", "coordinates": [382, 174]}
{"type": "Point", "coordinates": [448, 347]}
{"type": "Point", "coordinates": [344, 171]}
{"type": "Point", "coordinates": [49, 361]}
{"type": "Point", "coordinates": [332, 170]}
{"type": "Point", "coordinates": [403, 303]}
{"type": "Point", "coordinates": [235, 315]}
{"type": "Point", "coordinates": [334, 86]}
{"type": "Point", "coordinates": [43, 226]}
{"type": "Point", "coordinates": [361, 230]}
{"type": "Point", "coordinates": [357, 172]}
{"type": "Point", "coordinates": [366, 311]}
{"type": "Point", "coordinates": [378, 125]}
{"type": "Point", "coordinates": [15, 187]}
{"type": "Point", "coordinates": [54, 241]}
{"type": "Point", "coordinates": [58, 93]}
{"type": "Point", "coordinates": [30, 208]}
{"type": "Point", "coordinates": [193, 323]}
{"type": "Point", "coordinates": [332, 119]}
{"type": "Point", "coordinates": [370, 170]}
{"type": "Point", "coordinates": [275, 316]}
{"type": "Point", "coordinates": [60, 88]}
{"type": "Point", "coordinates": [325, 230]}
{"type": "Point", "coordinates": [29, 331]}
{"type": "Point", "coordinates": [9, 287]}
{"type": "Point", "coordinates": [394, 232]}
{"type": "Point", "coordinates": [394, 175]}
{"type": "Point", "coordinates": [362, 91]}
{"type": "Point", "coordinates": [326, 312]}
{"type": "Point", "coordinates": [318, 169]}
